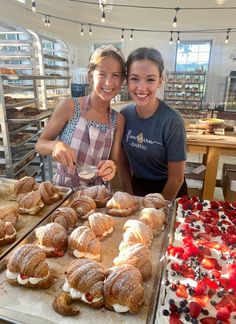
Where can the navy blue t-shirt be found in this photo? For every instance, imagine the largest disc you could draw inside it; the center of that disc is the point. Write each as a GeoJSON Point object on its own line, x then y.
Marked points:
{"type": "Point", "coordinates": [150, 143]}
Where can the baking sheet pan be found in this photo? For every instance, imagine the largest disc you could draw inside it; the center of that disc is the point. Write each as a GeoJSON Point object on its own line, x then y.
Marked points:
{"type": "Point", "coordinates": [25, 223]}
{"type": "Point", "coordinates": [39, 302]}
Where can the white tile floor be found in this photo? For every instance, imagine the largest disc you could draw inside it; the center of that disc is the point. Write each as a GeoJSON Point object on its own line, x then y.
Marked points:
{"type": "Point", "coordinates": [223, 159]}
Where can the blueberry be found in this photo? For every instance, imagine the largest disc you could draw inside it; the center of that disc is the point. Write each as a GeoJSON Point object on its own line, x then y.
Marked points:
{"type": "Point", "coordinates": [213, 302]}
{"type": "Point", "coordinates": [231, 291]}
{"type": "Point", "coordinates": [205, 312]}
{"type": "Point", "coordinates": [185, 309]}
{"type": "Point", "coordinates": [220, 294]}
{"type": "Point", "coordinates": [167, 282]}
{"type": "Point", "coordinates": [194, 321]}
{"type": "Point", "coordinates": [171, 301]}
{"type": "Point", "coordinates": [223, 216]}
{"type": "Point", "coordinates": [166, 312]}
{"type": "Point", "coordinates": [187, 318]}
{"type": "Point", "coordinates": [183, 303]}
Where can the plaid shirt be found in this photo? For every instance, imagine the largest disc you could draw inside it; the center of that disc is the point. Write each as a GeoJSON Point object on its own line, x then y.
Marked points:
{"type": "Point", "coordinates": [91, 144]}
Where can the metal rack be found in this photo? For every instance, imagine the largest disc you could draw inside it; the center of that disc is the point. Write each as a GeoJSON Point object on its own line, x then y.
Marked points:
{"type": "Point", "coordinates": [185, 91]}
{"type": "Point", "coordinates": [40, 79]}
{"type": "Point", "coordinates": [230, 92]}
{"type": "Point", "coordinates": [54, 62]}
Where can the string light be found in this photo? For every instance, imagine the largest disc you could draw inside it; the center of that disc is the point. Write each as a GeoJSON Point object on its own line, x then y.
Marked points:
{"type": "Point", "coordinates": [82, 30]}
{"type": "Point", "coordinates": [178, 38]}
{"type": "Point", "coordinates": [122, 35]}
{"type": "Point", "coordinates": [227, 36]}
{"type": "Point", "coordinates": [33, 6]}
{"type": "Point", "coordinates": [131, 35]}
{"type": "Point", "coordinates": [175, 17]}
{"type": "Point", "coordinates": [171, 38]}
{"type": "Point", "coordinates": [103, 13]}
{"type": "Point", "coordinates": [90, 30]}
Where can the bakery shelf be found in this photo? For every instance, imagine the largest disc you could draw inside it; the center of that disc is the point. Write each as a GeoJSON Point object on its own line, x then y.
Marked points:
{"type": "Point", "coordinates": [22, 103]}
{"type": "Point", "coordinates": [185, 90]}
{"type": "Point", "coordinates": [42, 115]}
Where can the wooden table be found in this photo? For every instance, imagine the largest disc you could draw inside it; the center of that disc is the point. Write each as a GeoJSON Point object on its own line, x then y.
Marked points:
{"type": "Point", "coordinates": [212, 146]}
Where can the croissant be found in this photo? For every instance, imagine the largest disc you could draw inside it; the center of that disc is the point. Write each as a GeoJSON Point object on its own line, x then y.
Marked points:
{"type": "Point", "coordinates": [85, 281]}
{"type": "Point", "coordinates": [24, 185]}
{"type": "Point", "coordinates": [99, 193]}
{"type": "Point", "coordinates": [137, 255]}
{"type": "Point", "coordinates": [154, 218]}
{"type": "Point", "coordinates": [28, 267]}
{"type": "Point", "coordinates": [66, 217]}
{"type": "Point", "coordinates": [84, 244]}
{"type": "Point", "coordinates": [61, 305]}
{"type": "Point", "coordinates": [101, 224]}
{"type": "Point", "coordinates": [123, 289]}
{"type": "Point", "coordinates": [49, 192]}
{"type": "Point", "coordinates": [8, 214]}
{"type": "Point", "coordinates": [137, 232]}
{"type": "Point", "coordinates": [52, 239]}
{"type": "Point", "coordinates": [154, 200]}
{"type": "Point", "coordinates": [122, 204]}
{"type": "Point", "coordinates": [7, 233]}
{"type": "Point", "coordinates": [30, 203]}
{"type": "Point", "coordinates": [83, 205]}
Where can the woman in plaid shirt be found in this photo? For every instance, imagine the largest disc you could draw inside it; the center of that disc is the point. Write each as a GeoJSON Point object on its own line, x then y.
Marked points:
{"type": "Point", "coordinates": [86, 130]}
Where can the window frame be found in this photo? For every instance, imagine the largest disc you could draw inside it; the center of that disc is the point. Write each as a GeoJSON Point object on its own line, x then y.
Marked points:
{"type": "Point", "coordinates": [193, 42]}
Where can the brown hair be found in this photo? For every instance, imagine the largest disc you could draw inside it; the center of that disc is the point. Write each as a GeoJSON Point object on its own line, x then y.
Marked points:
{"type": "Point", "coordinates": [105, 51]}
{"type": "Point", "coordinates": [145, 53]}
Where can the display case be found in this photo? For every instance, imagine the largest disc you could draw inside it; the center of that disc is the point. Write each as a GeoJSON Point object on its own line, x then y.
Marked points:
{"type": "Point", "coordinates": [230, 92]}
{"type": "Point", "coordinates": [185, 91]}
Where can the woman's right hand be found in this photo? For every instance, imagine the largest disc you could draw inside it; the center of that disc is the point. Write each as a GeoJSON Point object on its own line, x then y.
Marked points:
{"type": "Point", "coordinates": [63, 154]}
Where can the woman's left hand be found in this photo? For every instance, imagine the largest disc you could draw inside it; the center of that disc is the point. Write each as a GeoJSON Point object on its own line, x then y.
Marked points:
{"type": "Point", "coordinates": [107, 169]}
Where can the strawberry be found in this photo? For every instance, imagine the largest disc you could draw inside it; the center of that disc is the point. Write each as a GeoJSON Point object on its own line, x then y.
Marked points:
{"type": "Point", "coordinates": [194, 309]}
{"type": "Point", "coordinates": [186, 271]}
{"type": "Point", "coordinates": [208, 320]}
{"type": "Point", "coordinates": [205, 236]}
{"type": "Point", "coordinates": [202, 300]}
{"type": "Point", "coordinates": [182, 291]}
{"type": "Point", "coordinates": [89, 297]}
{"type": "Point", "coordinates": [210, 263]}
{"type": "Point", "coordinates": [174, 319]}
{"type": "Point", "coordinates": [210, 283]}
{"type": "Point", "coordinates": [23, 276]}
{"type": "Point", "coordinates": [201, 288]}
{"type": "Point", "coordinates": [214, 204]}
{"type": "Point", "coordinates": [223, 314]}
{"type": "Point", "coordinates": [229, 301]}
{"type": "Point", "coordinates": [213, 245]}
{"type": "Point", "coordinates": [231, 229]}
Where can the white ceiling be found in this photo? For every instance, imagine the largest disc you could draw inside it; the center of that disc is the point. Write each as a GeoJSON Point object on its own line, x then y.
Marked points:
{"type": "Point", "coordinates": [128, 18]}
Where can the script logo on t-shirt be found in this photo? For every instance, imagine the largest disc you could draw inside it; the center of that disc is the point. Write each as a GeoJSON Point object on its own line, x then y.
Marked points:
{"type": "Point", "coordinates": [139, 140]}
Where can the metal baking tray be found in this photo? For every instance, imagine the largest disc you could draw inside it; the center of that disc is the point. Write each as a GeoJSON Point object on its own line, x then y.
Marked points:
{"type": "Point", "coordinates": [39, 302]}
{"type": "Point", "coordinates": [25, 223]}
{"type": "Point", "coordinates": [42, 115]}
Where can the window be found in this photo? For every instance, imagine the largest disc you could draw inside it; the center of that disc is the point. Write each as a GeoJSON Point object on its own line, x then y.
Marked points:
{"type": "Point", "coordinates": [193, 56]}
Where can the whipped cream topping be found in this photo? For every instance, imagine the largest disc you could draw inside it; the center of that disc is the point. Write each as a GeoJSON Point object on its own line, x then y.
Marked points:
{"type": "Point", "coordinates": [86, 255]}
{"type": "Point", "coordinates": [17, 276]}
{"type": "Point", "coordinates": [110, 230]}
{"type": "Point", "coordinates": [76, 294]}
{"type": "Point", "coordinates": [120, 308]}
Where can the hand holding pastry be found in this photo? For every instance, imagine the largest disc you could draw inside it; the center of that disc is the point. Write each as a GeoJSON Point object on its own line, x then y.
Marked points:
{"type": "Point", "coordinates": [123, 289]}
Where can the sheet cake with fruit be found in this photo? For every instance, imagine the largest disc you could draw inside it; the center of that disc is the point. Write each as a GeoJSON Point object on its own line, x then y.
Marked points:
{"type": "Point", "coordinates": [199, 281]}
